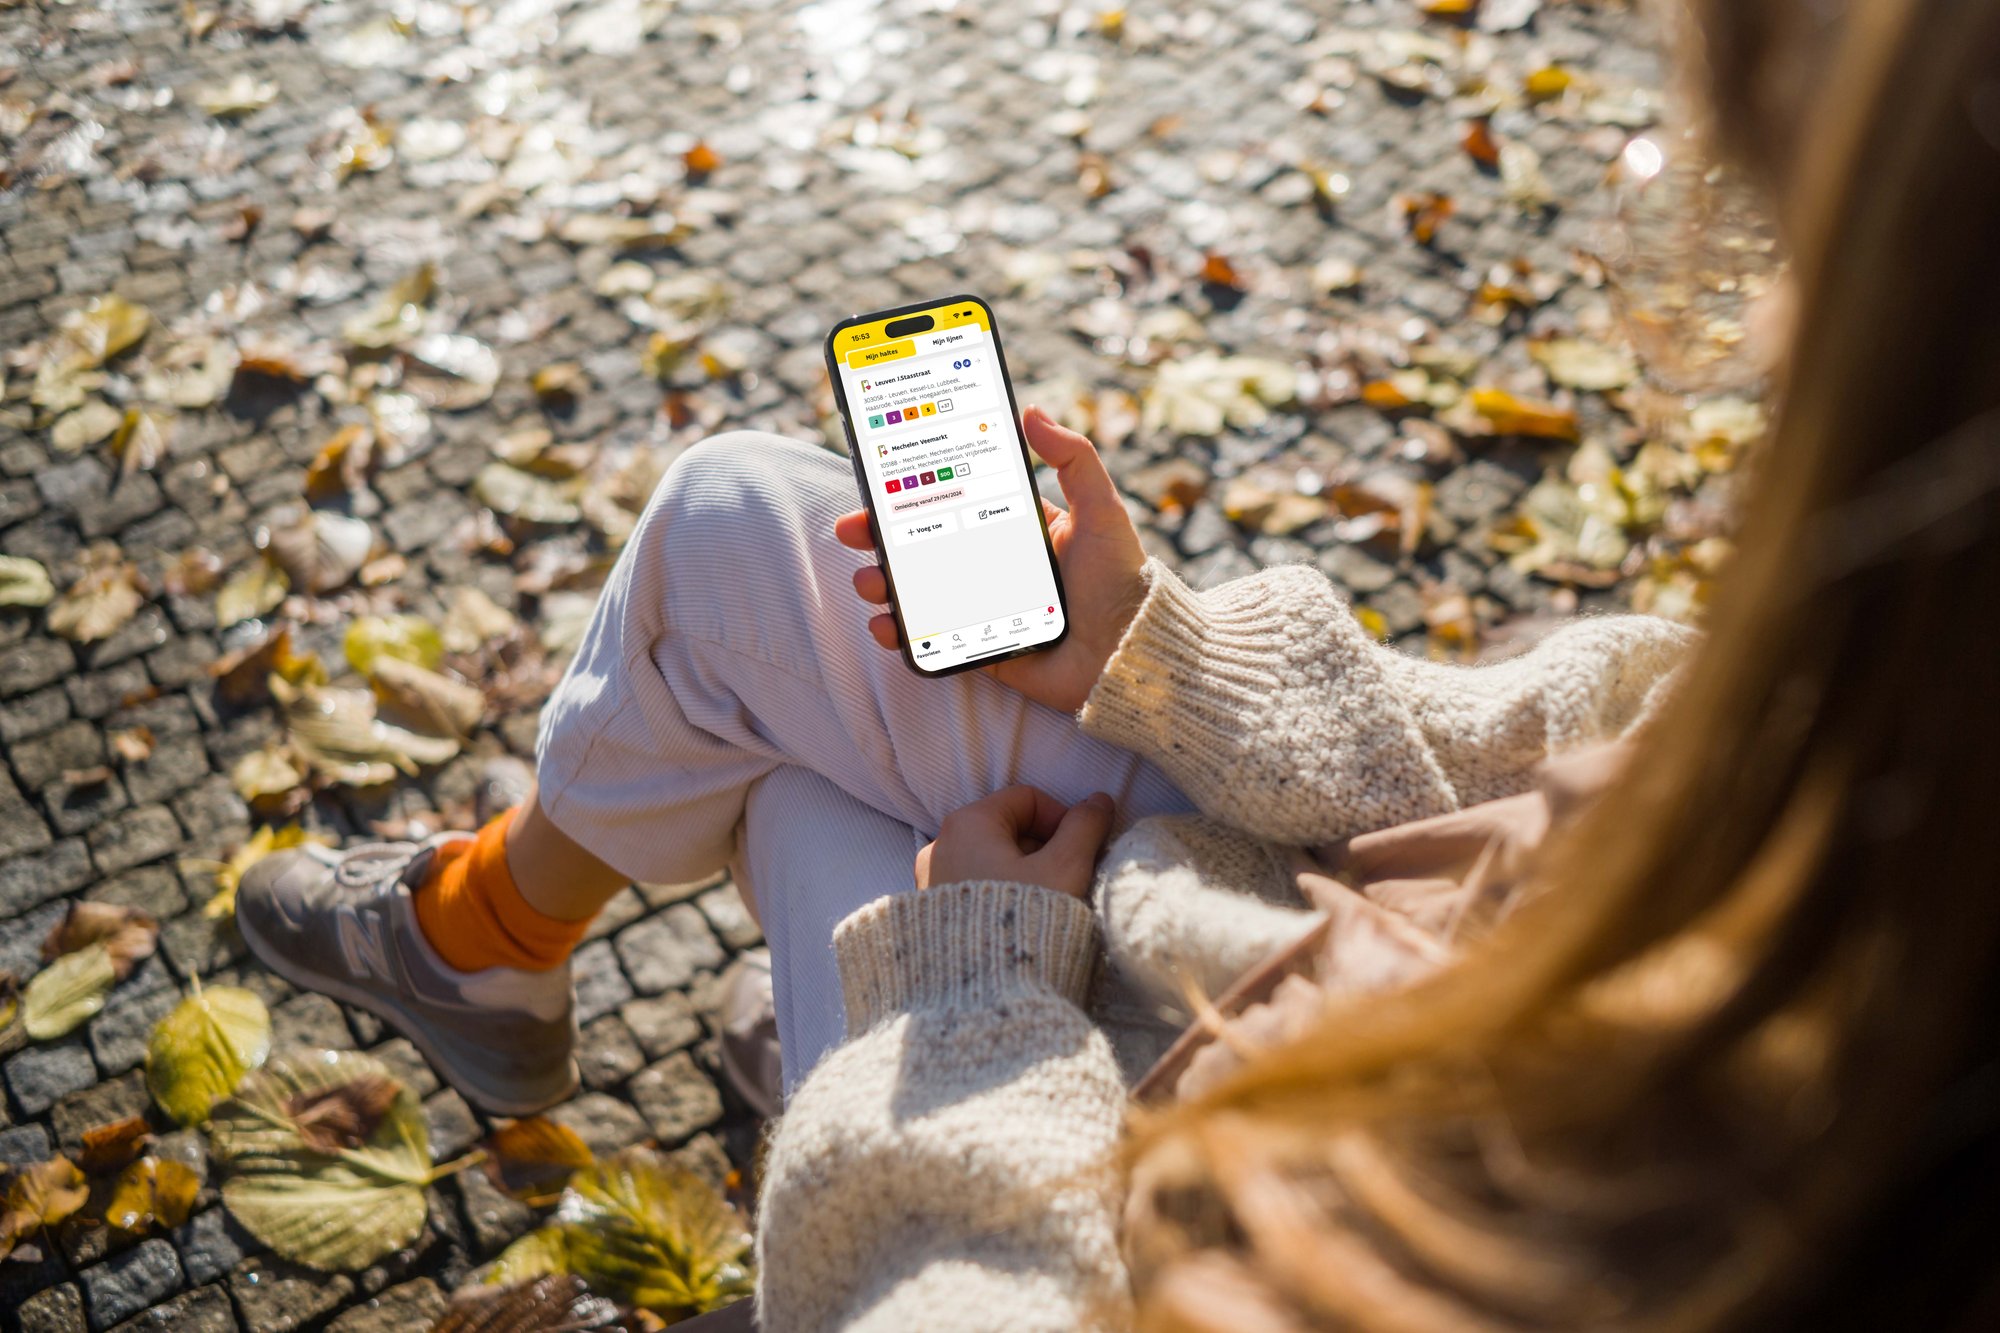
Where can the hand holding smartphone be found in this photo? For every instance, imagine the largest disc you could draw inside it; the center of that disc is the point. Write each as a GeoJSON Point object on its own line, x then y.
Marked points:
{"type": "Point", "coordinates": [947, 480]}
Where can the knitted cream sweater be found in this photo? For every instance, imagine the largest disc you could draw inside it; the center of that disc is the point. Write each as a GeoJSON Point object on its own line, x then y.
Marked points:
{"type": "Point", "coordinates": [949, 1167]}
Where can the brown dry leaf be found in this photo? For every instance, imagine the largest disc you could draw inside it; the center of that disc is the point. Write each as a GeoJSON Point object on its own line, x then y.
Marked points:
{"type": "Point", "coordinates": [322, 551]}
{"type": "Point", "coordinates": [111, 1147]}
{"type": "Point", "coordinates": [474, 620]}
{"type": "Point", "coordinates": [239, 225]}
{"type": "Point", "coordinates": [100, 602]}
{"type": "Point", "coordinates": [128, 935]}
{"type": "Point", "coordinates": [1093, 174]}
{"type": "Point", "coordinates": [134, 744]}
{"type": "Point", "coordinates": [1505, 414]}
{"type": "Point", "coordinates": [533, 1159]}
{"type": "Point", "coordinates": [242, 676]}
{"type": "Point", "coordinates": [450, 371]}
{"type": "Point", "coordinates": [195, 571]}
{"type": "Point", "coordinates": [701, 160]}
{"type": "Point", "coordinates": [1455, 10]}
{"type": "Point", "coordinates": [39, 1196]}
{"type": "Point", "coordinates": [1177, 483]}
{"type": "Point", "coordinates": [153, 1191]}
{"type": "Point", "coordinates": [424, 700]}
{"type": "Point", "coordinates": [1424, 213]}
{"type": "Point", "coordinates": [1217, 271]}
{"type": "Point", "coordinates": [344, 1115]}
{"type": "Point", "coordinates": [342, 466]}
{"type": "Point", "coordinates": [558, 384]}
{"type": "Point", "coordinates": [398, 315]}
{"type": "Point", "coordinates": [1479, 143]}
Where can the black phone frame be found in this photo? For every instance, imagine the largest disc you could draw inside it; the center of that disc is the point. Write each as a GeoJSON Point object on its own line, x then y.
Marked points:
{"type": "Point", "coordinates": [833, 374]}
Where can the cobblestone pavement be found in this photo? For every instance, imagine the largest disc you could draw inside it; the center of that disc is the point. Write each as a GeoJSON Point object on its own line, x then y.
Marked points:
{"type": "Point", "coordinates": [1248, 245]}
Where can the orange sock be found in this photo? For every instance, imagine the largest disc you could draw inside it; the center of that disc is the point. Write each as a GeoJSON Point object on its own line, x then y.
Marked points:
{"type": "Point", "coordinates": [470, 911]}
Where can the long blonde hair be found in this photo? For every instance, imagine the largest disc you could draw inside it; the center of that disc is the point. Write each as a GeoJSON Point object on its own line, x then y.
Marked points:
{"type": "Point", "coordinates": [1740, 1065]}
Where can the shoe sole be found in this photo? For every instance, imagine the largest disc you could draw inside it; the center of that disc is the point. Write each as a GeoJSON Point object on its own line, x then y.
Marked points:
{"type": "Point", "coordinates": [395, 1016]}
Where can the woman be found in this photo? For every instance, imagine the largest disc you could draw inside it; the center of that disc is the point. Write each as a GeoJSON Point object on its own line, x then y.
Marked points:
{"type": "Point", "coordinates": [1732, 1066]}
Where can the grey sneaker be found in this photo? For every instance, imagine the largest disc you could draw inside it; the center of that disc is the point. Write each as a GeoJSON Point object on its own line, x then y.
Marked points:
{"type": "Point", "coordinates": [342, 924]}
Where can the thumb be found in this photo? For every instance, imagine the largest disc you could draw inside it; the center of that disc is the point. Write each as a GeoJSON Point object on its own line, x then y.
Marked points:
{"type": "Point", "coordinates": [1072, 852]}
{"type": "Point", "coordinates": [1085, 483]}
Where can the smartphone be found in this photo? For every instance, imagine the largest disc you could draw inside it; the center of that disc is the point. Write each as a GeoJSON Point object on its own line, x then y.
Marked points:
{"type": "Point", "coordinates": [948, 482]}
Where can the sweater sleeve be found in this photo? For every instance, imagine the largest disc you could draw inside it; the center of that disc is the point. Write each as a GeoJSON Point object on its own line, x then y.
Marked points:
{"type": "Point", "coordinates": [1277, 713]}
{"type": "Point", "coordinates": [950, 1167]}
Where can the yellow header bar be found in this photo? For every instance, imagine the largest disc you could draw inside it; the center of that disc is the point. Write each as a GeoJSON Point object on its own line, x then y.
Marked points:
{"type": "Point", "coordinates": [873, 337]}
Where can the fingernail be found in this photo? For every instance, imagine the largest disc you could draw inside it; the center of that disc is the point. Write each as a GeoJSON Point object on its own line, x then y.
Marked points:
{"type": "Point", "coordinates": [1102, 800]}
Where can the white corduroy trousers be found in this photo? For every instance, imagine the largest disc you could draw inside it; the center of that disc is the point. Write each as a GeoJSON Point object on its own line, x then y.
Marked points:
{"type": "Point", "coordinates": [727, 707]}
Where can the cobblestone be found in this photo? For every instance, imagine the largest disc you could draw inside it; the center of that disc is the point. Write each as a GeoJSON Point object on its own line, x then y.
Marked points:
{"type": "Point", "coordinates": [834, 194]}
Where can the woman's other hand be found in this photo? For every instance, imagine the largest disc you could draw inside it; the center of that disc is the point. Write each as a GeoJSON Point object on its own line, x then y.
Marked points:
{"type": "Point", "coordinates": [1020, 835]}
{"type": "Point", "coordinates": [1097, 549]}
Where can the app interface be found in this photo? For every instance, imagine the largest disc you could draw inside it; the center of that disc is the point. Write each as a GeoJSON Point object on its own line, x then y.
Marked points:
{"type": "Point", "coordinates": [942, 456]}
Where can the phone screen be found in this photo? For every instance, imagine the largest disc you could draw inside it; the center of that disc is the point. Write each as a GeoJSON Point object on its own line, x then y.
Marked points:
{"type": "Point", "coordinates": [939, 455]}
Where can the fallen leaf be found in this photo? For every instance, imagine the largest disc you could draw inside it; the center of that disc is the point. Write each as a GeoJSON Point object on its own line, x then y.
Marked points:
{"type": "Point", "coordinates": [24, 582]}
{"type": "Point", "coordinates": [370, 639]}
{"type": "Point", "coordinates": [701, 160]}
{"type": "Point", "coordinates": [450, 371]}
{"type": "Point", "coordinates": [141, 439]}
{"type": "Point", "coordinates": [335, 1211]}
{"type": "Point", "coordinates": [40, 1195]}
{"type": "Point", "coordinates": [321, 551]}
{"type": "Point", "coordinates": [1479, 143]}
{"type": "Point", "coordinates": [262, 843]}
{"type": "Point", "coordinates": [134, 745]}
{"type": "Point", "coordinates": [153, 1191]}
{"type": "Point", "coordinates": [193, 572]}
{"type": "Point", "coordinates": [252, 591]}
{"type": "Point", "coordinates": [201, 1050]}
{"type": "Point", "coordinates": [338, 733]}
{"type": "Point", "coordinates": [533, 1159]}
{"type": "Point", "coordinates": [474, 620]}
{"type": "Point", "coordinates": [425, 701]}
{"type": "Point", "coordinates": [128, 935]}
{"type": "Point", "coordinates": [1521, 176]}
{"type": "Point", "coordinates": [193, 373]}
{"type": "Point", "coordinates": [1547, 83]}
{"type": "Point", "coordinates": [641, 1232]}
{"type": "Point", "coordinates": [624, 232]}
{"type": "Point", "coordinates": [1577, 363]}
{"type": "Point", "coordinates": [101, 601]}
{"type": "Point", "coordinates": [269, 780]}
{"type": "Point", "coordinates": [342, 466]}
{"type": "Point", "coordinates": [66, 992]}
{"type": "Point", "coordinates": [1505, 414]}
{"type": "Point", "coordinates": [1200, 395]}
{"type": "Point", "coordinates": [112, 1147]}
{"type": "Point", "coordinates": [1217, 271]}
{"type": "Point", "coordinates": [1424, 213]}
{"type": "Point", "coordinates": [562, 382]}
{"type": "Point", "coordinates": [556, 1303]}
{"type": "Point", "coordinates": [239, 97]}
{"type": "Point", "coordinates": [511, 492]}
{"type": "Point", "coordinates": [75, 431]}
{"type": "Point", "coordinates": [397, 316]}
{"type": "Point", "coordinates": [344, 1115]}
{"type": "Point", "coordinates": [243, 676]}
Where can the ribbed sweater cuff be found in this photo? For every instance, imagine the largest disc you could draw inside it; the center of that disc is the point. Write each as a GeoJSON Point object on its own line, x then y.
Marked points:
{"type": "Point", "coordinates": [1191, 672]}
{"type": "Point", "coordinates": [963, 946]}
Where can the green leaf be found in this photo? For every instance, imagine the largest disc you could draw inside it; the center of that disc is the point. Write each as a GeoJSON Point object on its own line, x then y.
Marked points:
{"type": "Point", "coordinates": [337, 1210]}
{"type": "Point", "coordinates": [201, 1051]}
{"type": "Point", "coordinates": [405, 638]}
{"type": "Point", "coordinates": [643, 1232]}
{"type": "Point", "coordinates": [24, 582]}
{"type": "Point", "coordinates": [67, 991]}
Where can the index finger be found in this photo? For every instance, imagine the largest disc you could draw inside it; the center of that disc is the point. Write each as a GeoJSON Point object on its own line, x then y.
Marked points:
{"type": "Point", "coordinates": [852, 530]}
